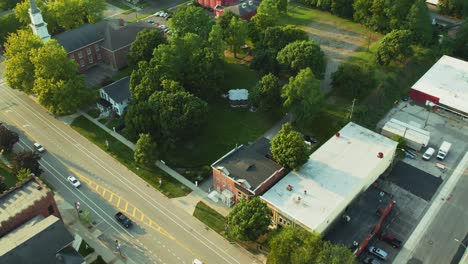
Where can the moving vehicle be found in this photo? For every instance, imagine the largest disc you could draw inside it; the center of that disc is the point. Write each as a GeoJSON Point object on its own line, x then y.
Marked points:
{"type": "Point", "coordinates": [123, 220]}
{"type": "Point", "coordinates": [370, 260]}
{"type": "Point", "coordinates": [378, 252]}
{"type": "Point", "coordinates": [197, 261]}
{"type": "Point", "coordinates": [73, 181]}
{"type": "Point", "coordinates": [428, 154]}
{"type": "Point", "coordinates": [443, 150]}
{"type": "Point", "coordinates": [39, 148]}
{"type": "Point", "coordinates": [391, 240]}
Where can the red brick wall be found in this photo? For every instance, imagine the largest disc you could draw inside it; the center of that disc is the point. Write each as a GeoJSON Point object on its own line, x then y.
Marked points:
{"type": "Point", "coordinates": [278, 175]}
{"type": "Point", "coordinates": [219, 178]}
{"type": "Point", "coordinates": [121, 57]}
{"type": "Point", "coordinates": [96, 56]}
{"type": "Point", "coordinates": [39, 208]}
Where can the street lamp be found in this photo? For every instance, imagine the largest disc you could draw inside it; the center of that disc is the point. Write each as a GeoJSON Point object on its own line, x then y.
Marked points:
{"type": "Point", "coordinates": [118, 246]}
{"type": "Point", "coordinates": [460, 242]}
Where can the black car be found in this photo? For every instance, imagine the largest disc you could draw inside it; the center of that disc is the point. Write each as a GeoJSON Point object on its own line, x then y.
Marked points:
{"type": "Point", "coordinates": [310, 139]}
{"type": "Point", "coordinates": [123, 219]}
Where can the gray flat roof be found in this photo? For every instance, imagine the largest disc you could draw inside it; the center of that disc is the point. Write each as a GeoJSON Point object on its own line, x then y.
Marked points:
{"type": "Point", "coordinates": [119, 90]}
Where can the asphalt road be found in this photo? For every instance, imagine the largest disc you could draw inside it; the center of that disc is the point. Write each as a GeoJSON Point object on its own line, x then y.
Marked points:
{"type": "Point", "coordinates": [438, 244]}
{"type": "Point", "coordinates": [177, 238]}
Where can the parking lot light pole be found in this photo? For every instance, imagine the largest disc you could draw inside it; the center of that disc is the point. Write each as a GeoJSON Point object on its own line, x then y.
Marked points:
{"type": "Point", "coordinates": [460, 242]}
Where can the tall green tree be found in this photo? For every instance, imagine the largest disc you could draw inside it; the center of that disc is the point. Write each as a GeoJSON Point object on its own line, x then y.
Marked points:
{"type": "Point", "coordinates": [191, 19]}
{"type": "Point", "coordinates": [419, 23]}
{"type": "Point", "coordinates": [57, 84]}
{"type": "Point", "coordinates": [299, 55]}
{"type": "Point", "coordinates": [145, 152]}
{"type": "Point", "coordinates": [459, 44]}
{"type": "Point", "coordinates": [23, 174]}
{"type": "Point", "coordinates": [294, 245]}
{"type": "Point", "coordinates": [396, 45]}
{"type": "Point", "coordinates": [379, 20]}
{"type": "Point", "coordinates": [288, 148]}
{"type": "Point", "coordinates": [26, 160]}
{"type": "Point", "coordinates": [397, 11]}
{"type": "Point", "coordinates": [216, 41]}
{"type": "Point", "coordinates": [8, 139]}
{"type": "Point", "coordinates": [146, 41]}
{"type": "Point", "coordinates": [237, 34]}
{"type": "Point", "coordinates": [248, 219]}
{"type": "Point", "coordinates": [353, 81]}
{"type": "Point", "coordinates": [278, 37]}
{"type": "Point", "coordinates": [267, 93]}
{"type": "Point", "coordinates": [302, 95]}
{"type": "Point", "coordinates": [330, 253]}
{"type": "Point", "coordinates": [362, 11]}
{"type": "Point", "coordinates": [8, 24]}
{"type": "Point", "coordinates": [282, 5]}
{"type": "Point", "coordinates": [342, 8]}
{"type": "Point", "coordinates": [457, 8]}
{"type": "Point", "coordinates": [267, 15]}
{"type": "Point", "coordinates": [19, 69]}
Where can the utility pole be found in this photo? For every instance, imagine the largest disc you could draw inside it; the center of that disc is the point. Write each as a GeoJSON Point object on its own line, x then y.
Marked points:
{"type": "Point", "coordinates": [77, 207]}
{"type": "Point", "coordinates": [352, 109]}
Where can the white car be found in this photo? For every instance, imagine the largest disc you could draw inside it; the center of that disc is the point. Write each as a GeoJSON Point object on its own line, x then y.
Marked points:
{"type": "Point", "coordinates": [39, 148]}
{"type": "Point", "coordinates": [378, 252]}
{"type": "Point", "coordinates": [76, 183]}
{"type": "Point", "coordinates": [197, 261]}
{"type": "Point", "coordinates": [428, 154]}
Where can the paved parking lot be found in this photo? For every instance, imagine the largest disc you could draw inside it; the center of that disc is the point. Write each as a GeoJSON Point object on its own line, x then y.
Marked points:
{"type": "Point", "coordinates": [443, 126]}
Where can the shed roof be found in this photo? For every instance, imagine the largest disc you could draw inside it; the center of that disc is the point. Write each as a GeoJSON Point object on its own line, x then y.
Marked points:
{"type": "Point", "coordinates": [238, 94]}
{"type": "Point", "coordinates": [447, 80]}
{"type": "Point", "coordinates": [119, 90]}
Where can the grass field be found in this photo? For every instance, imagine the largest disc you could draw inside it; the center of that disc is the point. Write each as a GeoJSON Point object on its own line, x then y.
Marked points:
{"type": "Point", "coordinates": [10, 179]}
{"type": "Point", "coordinates": [170, 187]}
{"type": "Point", "coordinates": [209, 217]}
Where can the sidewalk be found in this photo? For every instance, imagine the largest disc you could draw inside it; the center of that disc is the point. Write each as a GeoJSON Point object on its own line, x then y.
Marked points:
{"type": "Point", "coordinates": [431, 213]}
{"type": "Point", "coordinates": [68, 213]}
{"type": "Point", "coordinates": [189, 202]}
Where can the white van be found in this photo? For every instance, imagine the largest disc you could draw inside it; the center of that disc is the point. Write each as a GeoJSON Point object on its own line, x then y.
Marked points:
{"type": "Point", "coordinates": [443, 150]}
{"type": "Point", "coordinates": [428, 154]}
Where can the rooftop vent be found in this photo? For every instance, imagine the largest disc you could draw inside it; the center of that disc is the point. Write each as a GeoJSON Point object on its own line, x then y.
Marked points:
{"type": "Point", "coordinates": [337, 134]}
{"type": "Point", "coordinates": [244, 5]}
{"type": "Point", "coordinates": [380, 155]}
{"type": "Point", "coordinates": [250, 2]}
{"type": "Point", "coordinates": [289, 187]}
{"type": "Point", "coordinates": [39, 187]}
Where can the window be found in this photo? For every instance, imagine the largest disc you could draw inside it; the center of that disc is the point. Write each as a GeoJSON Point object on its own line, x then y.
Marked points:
{"type": "Point", "coordinates": [72, 56]}
{"type": "Point", "coordinates": [96, 47]}
{"type": "Point", "coordinates": [50, 209]}
{"type": "Point", "coordinates": [90, 59]}
{"type": "Point", "coordinates": [99, 56]}
{"type": "Point", "coordinates": [217, 180]}
{"type": "Point", "coordinates": [82, 64]}
{"type": "Point", "coordinates": [80, 54]}
{"type": "Point", "coordinates": [229, 187]}
{"type": "Point", "coordinates": [88, 50]}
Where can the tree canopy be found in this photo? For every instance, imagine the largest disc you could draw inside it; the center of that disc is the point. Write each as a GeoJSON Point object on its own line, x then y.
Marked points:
{"type": "Point", "coordinates": [8, 24]}
{"type": "Point", "coordinates": [248, 219]}
{"type": "Point", "coordinates": [23, 174]}
{"type": "Point", "coordinates": [267, 15]}
{"type": "Point", "coordinates": [267, 93]}
{"type": "Point", "coordinates": [57, 83]}
{"type": "Point", "coordinates": [19, 69]}
{"type": "Point", "coordinates": [26, 160]}
{"type": "Point", "coordinates": [191, 19]}
{"type": "Point", "coordinates": [302, 95]}
{"type": "Point", "coordinates": [295, 245]}
{"type": "Point", "coordinates": [145, 152]}
{"type": "Point", "coordinates": [236, 34]}
{"type": "Point", "coordinates": [146, 41]}
{"type": "Point", "coordinates": [457, 8]}
{"type": "Point", "coordinates": [8, 139]}
{"type": "Point", "coordinates": [395, 45]}
{"type": "Point", "coordinates": [303, 54]}
{"type": "Point", "coordinates": [419, 23]}
{"type": "Point", "coordinates": [353, 81]}
{"type": "Point", "coordinates": [288, 148]}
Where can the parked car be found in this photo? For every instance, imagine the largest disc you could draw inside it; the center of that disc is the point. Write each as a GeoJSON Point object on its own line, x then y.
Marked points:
{"type": "Point", "coordinates": [390, 239]}
{"type": "Point", "coordinates": [428, 154]}
{"type": "Point", "coordinates": [197, 261]}
{"type": "Point", "coordinates": [370, 260]}
{"type": "Point", "coordinates": [73, 181]}
{"type": "Point", "coordinates": [39, 148]}
{"type": "Point", "coordinates": [150, 21]}
{"type": "Point", "coordinates": [378, 252]}
{"type": "Point", "coordinates": [167, 17]}
{"type": "Point", "coordinates": [123, 220]}
{"type": "Point", "coordinates": [310, 139]}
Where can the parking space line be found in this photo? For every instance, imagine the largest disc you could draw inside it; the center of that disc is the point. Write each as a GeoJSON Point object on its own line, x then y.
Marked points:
{"type": "Point", "coordinates": [126, 206]}
{"type": "Point", "coordinates": [118, 202]}
{"type": "Point", "coordinates": [110, 198]}
{"type": "Point", "coordinates": [97, 188]}
{"type": "Point", "coordinates": [134, 210]}
{"type": "Point", "coordinates": [104, 193]}
{"type": "Point", "coordinates": [142, 217]}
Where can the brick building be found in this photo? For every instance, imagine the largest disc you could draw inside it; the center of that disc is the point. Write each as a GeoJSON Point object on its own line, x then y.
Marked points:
{"type": "Point", "coordinates": [107, 41]}
{"type": "Point", "coordinates": [245, 171]}
{"type": "Point", "coordinates": [24, 202]}
{"type": "Point", "coordinates": [245, 9]}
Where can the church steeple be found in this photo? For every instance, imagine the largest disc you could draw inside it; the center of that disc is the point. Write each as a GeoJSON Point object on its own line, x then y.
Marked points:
{"type": "Point", "coordinates": [38, 25]}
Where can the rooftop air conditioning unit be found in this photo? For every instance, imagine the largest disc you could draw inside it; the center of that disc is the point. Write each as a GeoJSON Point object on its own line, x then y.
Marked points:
{"type": "Point", "coordinates": [250, 2]}
{"type": "Point", "coordinates": [244, 5]}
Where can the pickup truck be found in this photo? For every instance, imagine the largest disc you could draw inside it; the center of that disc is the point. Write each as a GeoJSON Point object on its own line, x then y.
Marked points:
{"type": "Point", "coordinates": [124, 220]}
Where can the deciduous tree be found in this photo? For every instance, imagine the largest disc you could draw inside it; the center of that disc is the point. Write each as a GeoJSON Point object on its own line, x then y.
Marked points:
{"type": "Point", "coordinates": [191, 19]}
{"type": "Point", "coordinates": [19, 69]}
{"type": "Point", "coordinates": [248, 219]}
{"type": "Point", "coordinates": [419, 23]}
{"type": "Point", "coordinates": [267, 93]}
{"type": "Point", "coordinates": [294, 245]}
{"type": "Point", "coordinates": [146, 41]}
{"type": "Point", "coordinates": [23, 174]}
{"type": "Point", "coordinates": [236, 34]}
{"type": "Point", "coordinates": [145, 152]}
{"type": "Point", "coordinates": [394, 46]}
{"type": "Point", "coordinates": [8, 25]}
{"type": "Point", "coordinates": [288, 148]}
{"type": "Point", "coordinates": [267, 15]}
{"type": "Point", "coordinates": [8, 139]}
{"type": "Point", "coordinates": [26, 160]}
{"type": "Point", "coordinates": [302, 95]}
{"type": "Point", "coordinates": [299, 55]}
{"type": "Point", "coordinates": [57, 84]}
{"type": "Point", "coordinates": [353, 81]}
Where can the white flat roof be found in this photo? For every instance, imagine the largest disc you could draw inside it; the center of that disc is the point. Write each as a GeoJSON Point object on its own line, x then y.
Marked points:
{"type": "Point", "coordinates": [434, 2]}
{"type": "Point", "coordinates": [447, 80]}
{"type": "Point", "coordinates": [238, 94]}
{"type": "Point", "coordinates": [334, 173]}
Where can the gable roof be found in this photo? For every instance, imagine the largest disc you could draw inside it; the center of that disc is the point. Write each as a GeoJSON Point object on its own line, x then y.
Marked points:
{"type": "Point", "coordinates": [81, 36]}
{"type": "Point", "coordinates": [243, 8]}
{"type": "Point", "coordinates": [118, 38]}
{"type": "Point", "coordinates": [118, 91]}
{"type": "Point", "coordinates": [248, 165]}
{"type": "Point", "coordinates": [37, 243]}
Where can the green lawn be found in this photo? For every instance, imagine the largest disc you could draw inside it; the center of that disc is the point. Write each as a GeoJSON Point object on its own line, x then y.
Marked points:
{"type": "Point", "coordinates": [118, 4]}
{"type": "Point", "coordinates": [209, 217]}
{"type": "Point", "coordinates": [170, 187]}
{"type": "Point", "coordinates": [226, 126]}
{"type": "Point", "coordinates": [10, 179]}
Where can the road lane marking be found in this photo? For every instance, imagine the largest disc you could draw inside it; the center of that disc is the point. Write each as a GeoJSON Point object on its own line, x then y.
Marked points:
{"type": "Point", "coordinates": [126, 206]}
{"type": "Point", "coordinates": [118, 203]}
{"type": "Point", "coordinates": [111, 196]}
{"type": "Point", "coordinates": [134, 209]}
